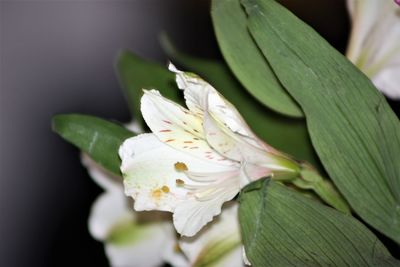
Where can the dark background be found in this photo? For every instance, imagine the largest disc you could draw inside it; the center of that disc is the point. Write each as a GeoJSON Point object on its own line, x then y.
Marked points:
{"type": "Point", "coordinates": [58, 57]}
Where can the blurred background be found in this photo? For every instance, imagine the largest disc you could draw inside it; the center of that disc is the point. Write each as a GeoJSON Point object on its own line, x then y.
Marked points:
{"type": "Point", "coordinates": [58, 57]}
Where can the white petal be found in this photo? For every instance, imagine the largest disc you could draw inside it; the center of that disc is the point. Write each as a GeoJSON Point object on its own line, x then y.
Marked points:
{"type": "Point", "coordinates": [236, 147]}
{"type": "Point", "coordinates": [375, 26]}
{"type": "Point", "coordinates": [244, 256]}
{"type": "Point", "coordinates": [109, 209]}
{"type": "Point", "coordinates": [148, 166]}
{"type": "Point", "coordinates": [200, 97]}
{"type": "Point", "coordinates": [103, 178]}
{"type": "Point", "coordinates": [174, 256]}
{"type": "Point", "coordinates": [110, 216]}
{"type": "Point", "coordinates": [364, 15]}
{"type": "Point", "coordinates": [191, 215]}
{"type": "Point", "coordinates": [231, 144]}
{"type": "Point", "coordinates": [195, 89]}
{"type": "Point", "coordinates": [134, 127]}
{"type": "Point", "coordinates": [147, 249]}
{"type": "Point", "coordinates": [388, 81]}
{"type": "Point", "coordinates": [220, 239]}
{"type": "Point", "coordinates": [177, 127]}
{"type": "Point", "coordinates": [225, 129]}
{"type": "Point", "coordinates": [375, 40]}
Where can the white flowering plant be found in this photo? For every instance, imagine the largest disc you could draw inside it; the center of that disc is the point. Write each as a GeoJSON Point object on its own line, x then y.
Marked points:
{"type": "Point", "coordinates": [285, 154]}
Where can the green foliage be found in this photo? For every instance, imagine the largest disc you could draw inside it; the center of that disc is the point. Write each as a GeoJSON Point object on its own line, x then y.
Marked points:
{"type": "Point", "coordinates": [352, 128]}
{"type": "Point", "coordinates": [246, 60]}
{"type": "Point", "coordinates": [281, 227]}
{"type": "Point", "coordinates": [99, 138]}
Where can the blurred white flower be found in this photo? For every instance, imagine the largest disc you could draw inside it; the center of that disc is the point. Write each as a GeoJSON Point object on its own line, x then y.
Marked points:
{"type": "Point", "coordinates": [197, 158]}
{"type": "Point", "coordinates": [219, 243]}
{"type": "Point", "coordinates": [148, 239]}
{"type": "Point", "coordinates": [142, 239]}
{"type": "Point", "coordinates": [374, 45]}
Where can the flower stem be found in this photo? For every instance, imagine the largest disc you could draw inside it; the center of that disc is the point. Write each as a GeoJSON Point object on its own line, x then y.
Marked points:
{"type": "Point", "coordinates": [324, 188]}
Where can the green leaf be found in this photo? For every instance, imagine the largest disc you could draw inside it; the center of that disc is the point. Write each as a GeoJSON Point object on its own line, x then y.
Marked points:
{"type": "Point", "coordinates": [99, 138]}
{"type": "Point", "coordinates": [136, 74]}
{"type": "Point", "coordinates": [246, 60]}
{"type": "Point", "coordinates": [286, 134]}
{"type": "Point", "coordinates": [352, 128]}
{"type": "Point", "coordinates": [281, 227]}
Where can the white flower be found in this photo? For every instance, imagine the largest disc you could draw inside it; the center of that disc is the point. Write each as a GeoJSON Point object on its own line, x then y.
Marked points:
{"type": "Point", "coordinates": [131, 239]}
{"type": "Point", "coordinates": [197, 158]}
{"type": "Point", "coordinates": [374, 45]}
{"type": "Point", "coordinates": [219, 243]}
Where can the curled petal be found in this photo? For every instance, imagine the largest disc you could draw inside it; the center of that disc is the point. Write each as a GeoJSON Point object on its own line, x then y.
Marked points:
{"type": "Point", "coordinates": [201, 97]}
{"type": "Point", "coordinates": [177, 127]}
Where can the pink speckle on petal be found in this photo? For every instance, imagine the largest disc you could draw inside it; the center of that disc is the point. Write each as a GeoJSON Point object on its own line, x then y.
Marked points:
{"type": "Point", "coordinates": [165, 131]}
{"type": "Point", "coordinates": [167, 121]}
{"type": "Point", "coordinates": [397, 2]}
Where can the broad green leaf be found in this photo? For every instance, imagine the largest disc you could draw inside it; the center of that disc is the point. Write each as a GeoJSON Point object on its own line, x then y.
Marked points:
{"type": "Point", "coordinates": [246, 60]}
{"type": "Point", "coordinates": [281, 227]}
{"type": "Point", "coordinates": [352, 128]}
{"type": "Point", "coordinates": [286, 134]}
{"type": "Point", "coordinates": [136, 74]}
{"type": "Point", "coordinates": [99, 138]}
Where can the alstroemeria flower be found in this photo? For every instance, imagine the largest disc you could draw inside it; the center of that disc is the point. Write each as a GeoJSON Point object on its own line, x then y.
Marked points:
{"type": "Point", "coordinates": [130, 238]}
{"type": "Point", "coordinates": [195, 159]}
{"type": "Point", "coordinates": [374, 45]}
{"type": "Point", "coordinates": [219, 243]}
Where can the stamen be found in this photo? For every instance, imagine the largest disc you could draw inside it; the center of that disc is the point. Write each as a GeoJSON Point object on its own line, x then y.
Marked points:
{"type": "Point", "coordinates": [165, 189]}
{"type": "Point", "coordinates": [180, 167]}
{"type": "Point", "coordinates": [179, 182]}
